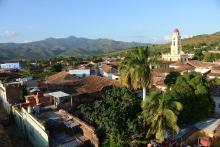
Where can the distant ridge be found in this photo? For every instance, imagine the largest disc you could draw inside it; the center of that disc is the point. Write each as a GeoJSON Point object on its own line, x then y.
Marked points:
{"type": "Point", "coordinates": [70, 46]}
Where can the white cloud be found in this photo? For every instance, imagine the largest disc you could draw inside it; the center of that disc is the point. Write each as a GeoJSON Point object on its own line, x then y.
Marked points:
{"type": "Point", "coordinates": [166, 38]}
{"type": "Point", "coordinates": [10, 34]}
{"type": "Point", "coordinates": [185, 36]}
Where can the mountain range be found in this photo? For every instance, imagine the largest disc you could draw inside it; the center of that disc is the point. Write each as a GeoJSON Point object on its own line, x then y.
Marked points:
{"type": "Point", "coordinates": [74, 46]}
{"type": "Point", "coordinates": [70, 46]}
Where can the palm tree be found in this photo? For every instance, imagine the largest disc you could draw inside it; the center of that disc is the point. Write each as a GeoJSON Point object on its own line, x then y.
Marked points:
{"type": "Point", "coordinates": [160, 114]}
{"type": "Point", "coordinates": [135, 69]}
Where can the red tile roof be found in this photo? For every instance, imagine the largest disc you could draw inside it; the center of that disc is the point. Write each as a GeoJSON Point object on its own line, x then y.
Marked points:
{"type": "Point", "coordinates": [197, 63]}
{"type": "Point", "coordinates": [213, 74]}
{"type": "Point", "coordinates": [61, 77]}
{"type": "Point", "coordinates": [216, 67]}
{"type": "Point", "coordinates": [108, 69]}
{"type": "Point", "coordinates": [158, 71]}
{"type": "Point", "coordinates": [178, 64]}
{"type": "Point", "coordinates": [93, 84]}
{"type": "Point", "coordinates": [185, 67]}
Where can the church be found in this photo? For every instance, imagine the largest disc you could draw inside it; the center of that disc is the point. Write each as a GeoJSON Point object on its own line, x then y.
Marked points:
{"type": "Point", "coordinates": [176, 53]}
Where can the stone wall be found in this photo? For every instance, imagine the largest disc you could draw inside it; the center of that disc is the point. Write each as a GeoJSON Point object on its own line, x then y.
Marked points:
{"type": "Point", "coordinates": [88, 131]}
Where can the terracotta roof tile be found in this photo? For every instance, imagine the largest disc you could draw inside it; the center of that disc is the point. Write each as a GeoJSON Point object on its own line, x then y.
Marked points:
{"type": "Point", "coordinates": [162, 70]}
{"type": "Point", "coordinates": [197, 63]}
{"type": "Point", "coordinates": [216, 67]}
{"type": "Point", "coordinates": [61, 77]}
{"type": "Point", "coordinates": [93, 84]}
{"type": "Point", "coordinates": [185, 67]}
{"type": "Point", "coordinates": [108, 69]}
{"type": "Point", "coordinates": [214, 74]}
{"type": "Point", "coordinates": [178, 64]}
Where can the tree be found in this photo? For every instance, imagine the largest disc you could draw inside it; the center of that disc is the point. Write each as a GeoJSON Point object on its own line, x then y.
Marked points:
{"type": "Point", "coordinates": [171, 78]}
{"type": "Point", "coordinates": [210, 57]}
{"type": "Point", "coordinates": [198, 55]}
{"type": "Point", "coordinates": [117, 113]}
{"type": "Point", "coordinates": [160, 114]}
{"type": "Point", "coordinates": [135, 69]}
{"type": "Point", "coordinates": [192, 90]}
{"type": "Point", "coordinates": [57, 67]}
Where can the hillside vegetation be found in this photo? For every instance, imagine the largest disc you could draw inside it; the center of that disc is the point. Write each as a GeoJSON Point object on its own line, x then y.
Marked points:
{"type": "Point", "coordinates": [71, 46]}
{"type": "Point", "coordinates": [204, 42]}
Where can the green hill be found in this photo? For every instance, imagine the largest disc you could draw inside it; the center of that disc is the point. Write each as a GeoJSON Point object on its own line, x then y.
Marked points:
{"type": "Point", "coordinates": [71, 46]}
{"type": "Point", "coordinates": [206, 42]}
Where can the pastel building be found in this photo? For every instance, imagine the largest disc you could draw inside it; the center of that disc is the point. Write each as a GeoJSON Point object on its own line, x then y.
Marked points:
{"type": "Point", "coordinates": [176, 53]}
{"type": "Point", "coordinates": [81, 73]}
{"type": "Point", "coordinates": [11, 66]}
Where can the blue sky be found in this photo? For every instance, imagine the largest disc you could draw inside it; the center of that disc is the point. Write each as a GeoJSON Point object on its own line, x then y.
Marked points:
{"type": "Point", "coordinates": [126, 20]}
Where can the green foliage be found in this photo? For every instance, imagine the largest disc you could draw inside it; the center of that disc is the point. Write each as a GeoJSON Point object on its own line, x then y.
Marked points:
{"type": "Point", "coordinates": [160, 113]}
{"type": "Point", "coordinates": [198, 55]}
{"type": "Point", "coordinates": [27, 73]}
{"type": "Point", "coordinates": [135, 69]}
{"type": "Point", "coordinates": [210, 57]}
{"type": "Point", "coordinates": [171, 78]}
{"type": "Point", "coordinates": [70, 46]}
{"type": "Point", "coordinates": [192, 90]}
{"type": "Point", "coordinates": [117, 113]}
{"type": "Point", "coordinates": [95, 59]}
{"type": "Point", "coordinates": [215, 81]}
{"type": "Point", "coordinates": [57, 67]}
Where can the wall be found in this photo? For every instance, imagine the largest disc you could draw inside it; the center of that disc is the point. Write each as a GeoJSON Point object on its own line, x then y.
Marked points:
{"type": "Point", "coordinates": [217, 104]}
{"type": "Point", "coordinates": [81, 73]}
{"type": "Point", "coordinates": [31, 128]}
{"type": "Point", "coordinates": [88, 131]}
{"type": "Point", "coordinates": [10, 93]}
{"type": "Point", "coordinates": [10, 66]}
{"type": "Point", "coordinates": [3, 98]}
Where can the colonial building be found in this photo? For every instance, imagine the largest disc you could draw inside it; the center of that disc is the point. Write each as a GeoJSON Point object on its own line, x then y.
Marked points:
{"type": "Point", "coordinates": [176, 53]}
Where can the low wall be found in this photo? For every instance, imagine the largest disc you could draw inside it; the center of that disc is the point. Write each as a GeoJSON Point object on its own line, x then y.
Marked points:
{"type": "Point", "coordinates": [30, 127]}
{"type": "Point", "coordinates": [88, 131]}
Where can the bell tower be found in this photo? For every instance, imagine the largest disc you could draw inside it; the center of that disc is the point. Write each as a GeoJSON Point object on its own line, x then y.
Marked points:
{"type": "Point", "coordinates": [176, 47]}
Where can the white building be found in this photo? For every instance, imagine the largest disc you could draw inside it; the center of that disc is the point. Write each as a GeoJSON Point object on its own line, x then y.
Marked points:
{"type": "Point", "coordinates": [81, 73]}
{"type": "Point", "coordinates": [109, 71]}
{"type": "Point", "coordinates": [11, 66]}
{"type": "Point", "coordinates": [176, 53]}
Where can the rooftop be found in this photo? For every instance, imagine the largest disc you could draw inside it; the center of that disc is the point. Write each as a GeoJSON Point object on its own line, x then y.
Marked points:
{"type": "Point", "coordinates": [162, 70]}
{"type": "Point", "coordinates": [58, 94]}
{"type": "Point", "coordinates": [108, 68]}
{"type": "Point", "coordinates": [93, 84]}
{"type": "Point", "coordinates": [197, 63]}
{"type": "Point", "coordinates": [209, 125]}
{"type": "Point", "coordinates": [60, 78]}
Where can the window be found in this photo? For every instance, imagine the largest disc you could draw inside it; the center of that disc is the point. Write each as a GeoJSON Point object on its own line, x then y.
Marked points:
{"type": "Point", "coordinates": [218, 105]}
{"type": "Point", "coordinates": [174, 43]}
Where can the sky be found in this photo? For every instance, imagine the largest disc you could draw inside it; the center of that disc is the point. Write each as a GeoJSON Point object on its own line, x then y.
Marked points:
{"type": "Point", "coordinates": [148, 21]}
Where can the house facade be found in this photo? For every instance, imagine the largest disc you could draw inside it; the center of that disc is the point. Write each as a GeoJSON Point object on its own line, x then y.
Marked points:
{"type": "Point", "coordinates": [11, 66]}
{"type": "Point", "coordinates": [80, 73]}
{"type": "Point", "coordinates": [10, 94]}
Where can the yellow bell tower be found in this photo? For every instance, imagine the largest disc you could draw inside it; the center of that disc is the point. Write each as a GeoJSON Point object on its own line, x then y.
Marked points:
{"type": "Point", "coordinates": [176, 47]}
{"type": "Point", "coordinates": [176, 53]}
